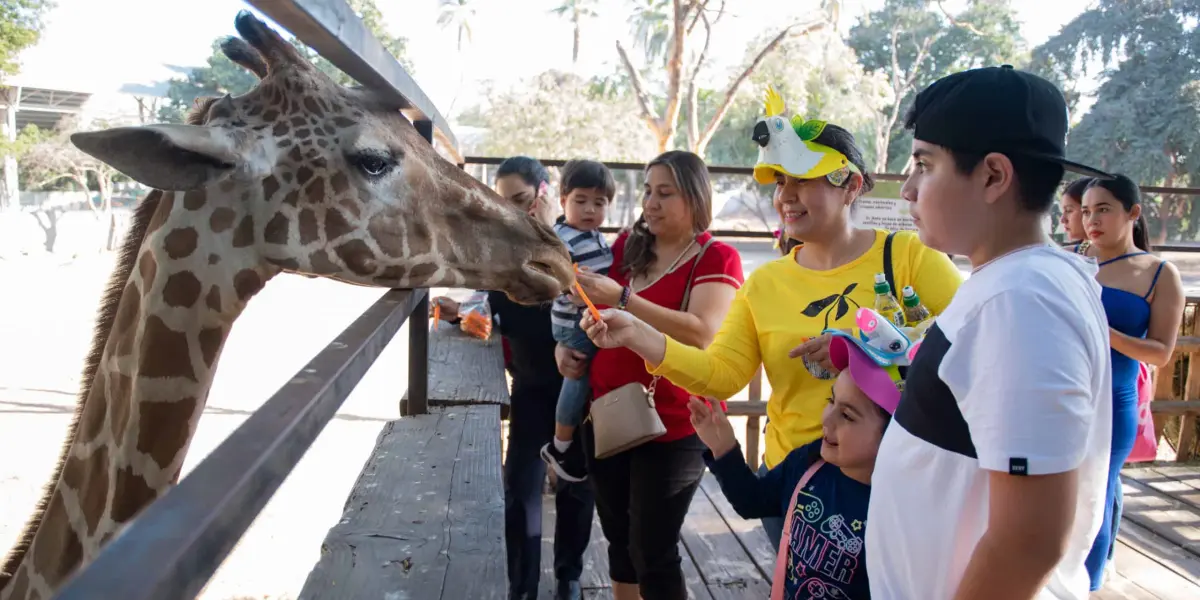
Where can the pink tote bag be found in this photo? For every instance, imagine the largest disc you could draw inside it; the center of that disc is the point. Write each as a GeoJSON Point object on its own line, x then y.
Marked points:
{"type": "Point", "coordinates": [1145, 444]}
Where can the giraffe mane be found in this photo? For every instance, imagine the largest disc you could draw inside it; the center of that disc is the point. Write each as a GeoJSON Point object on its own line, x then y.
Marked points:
{"type": "Point", "coordinates": [105, 316]}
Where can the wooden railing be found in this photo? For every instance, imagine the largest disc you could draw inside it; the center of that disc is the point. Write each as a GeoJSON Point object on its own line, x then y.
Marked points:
{"type": "Point", "coordinates": [174, 546]}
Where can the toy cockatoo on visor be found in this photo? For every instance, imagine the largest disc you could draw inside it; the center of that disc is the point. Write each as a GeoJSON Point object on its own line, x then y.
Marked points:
{"type": "Point", "coordinates": [786, 146]}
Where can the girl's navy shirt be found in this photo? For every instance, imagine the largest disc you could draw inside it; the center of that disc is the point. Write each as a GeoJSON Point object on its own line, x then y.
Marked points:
{"type": "Point", "coordinates": [826, 550]}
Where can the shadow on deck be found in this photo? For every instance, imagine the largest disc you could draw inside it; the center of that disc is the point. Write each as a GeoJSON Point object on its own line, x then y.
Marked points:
{"type": "Point", "coordinates": [726, 557]}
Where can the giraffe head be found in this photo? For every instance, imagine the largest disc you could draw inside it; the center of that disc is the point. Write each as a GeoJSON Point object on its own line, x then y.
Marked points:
{"type": "Point", "coordinates": [336, 182]}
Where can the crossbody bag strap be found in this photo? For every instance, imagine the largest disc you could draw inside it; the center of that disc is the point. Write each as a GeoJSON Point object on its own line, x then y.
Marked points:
{"type": "Point", "coordinates": [888, 271]}
{"type": "Point", "coordinates": [687, 292]}
{"type": "Point", "coordinates": [687, 296]}
{"type": "Point", "coordinates": [781, 559]}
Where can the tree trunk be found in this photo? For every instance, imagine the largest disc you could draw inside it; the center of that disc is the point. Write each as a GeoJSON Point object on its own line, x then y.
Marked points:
{"type": "Point", "coordinates": [49, 227]}
{"type": "Point", "coordinates": [575, 44]}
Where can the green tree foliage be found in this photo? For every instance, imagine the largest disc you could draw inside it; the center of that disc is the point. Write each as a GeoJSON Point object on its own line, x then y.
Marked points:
{"type": "Point", "coordinates": [21, 23]}
{"type": "Point", "coordinates": [222, 76]}
{"type": "Point", "coordinates": [1147, 108]}
{"type": "Point", "coordinates": [819, 77]}
{"type": "Point", "coordinates": [561, 115]}
{"type": "Point", "coordinates": [914, 42]}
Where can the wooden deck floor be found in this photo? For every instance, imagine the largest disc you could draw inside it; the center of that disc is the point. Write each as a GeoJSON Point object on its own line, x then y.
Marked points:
{"type": "Point", "coordinates": [729, 558]}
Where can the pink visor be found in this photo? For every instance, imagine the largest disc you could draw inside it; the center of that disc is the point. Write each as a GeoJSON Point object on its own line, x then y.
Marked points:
{"type": "Point", "coordinates": [878, 383]}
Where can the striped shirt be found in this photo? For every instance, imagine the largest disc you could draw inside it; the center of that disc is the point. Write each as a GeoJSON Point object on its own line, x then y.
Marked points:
{"type": "Point", "coordinates": [588, 249]}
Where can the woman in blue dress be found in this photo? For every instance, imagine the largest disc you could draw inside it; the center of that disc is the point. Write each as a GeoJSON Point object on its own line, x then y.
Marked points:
{"type": "Point", "coordinates": [1144, 301]}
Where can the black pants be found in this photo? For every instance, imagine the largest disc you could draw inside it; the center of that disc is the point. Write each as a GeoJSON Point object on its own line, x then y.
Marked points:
{"type": "Point", "coordinates": [642, 497]}
{"type": "Point", "coordinates": [530, 425]}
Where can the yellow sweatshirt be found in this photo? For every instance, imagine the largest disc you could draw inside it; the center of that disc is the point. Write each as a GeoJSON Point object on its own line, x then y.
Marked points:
{"type": "Point", "coordinates": [781, 305]}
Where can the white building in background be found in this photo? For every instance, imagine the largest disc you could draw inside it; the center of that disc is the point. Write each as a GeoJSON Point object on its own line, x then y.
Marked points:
{"type": "Point", "coordinates": [56, 83]}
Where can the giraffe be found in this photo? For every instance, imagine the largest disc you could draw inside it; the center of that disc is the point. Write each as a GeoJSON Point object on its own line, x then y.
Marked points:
{"type": "Point", "coordinates": [298, 175]}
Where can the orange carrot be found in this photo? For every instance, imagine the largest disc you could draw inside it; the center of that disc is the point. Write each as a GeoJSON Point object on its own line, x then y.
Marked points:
{"type": "Point", "coordinates": [588, 301]}
{"type": "Point", "coordinates": [437, 314]}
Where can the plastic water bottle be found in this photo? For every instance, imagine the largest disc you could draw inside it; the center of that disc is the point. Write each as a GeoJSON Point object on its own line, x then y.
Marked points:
{"type": "Point", "coordinates": [885, 301]}
{"type": "Point", "coordinates": [914, 311]}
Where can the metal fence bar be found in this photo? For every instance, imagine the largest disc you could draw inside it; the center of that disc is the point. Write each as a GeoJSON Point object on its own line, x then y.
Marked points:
{"type": "Point", "coordinates": [418, 335]}
{"type": "Point", "coordinates": [332, 29]}
{"type": "Point", "coordinates": [174, 546]}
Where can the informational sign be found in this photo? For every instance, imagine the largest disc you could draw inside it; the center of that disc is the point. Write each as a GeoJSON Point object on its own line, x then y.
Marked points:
{"type": "Point", "coordinates": [885, 213]}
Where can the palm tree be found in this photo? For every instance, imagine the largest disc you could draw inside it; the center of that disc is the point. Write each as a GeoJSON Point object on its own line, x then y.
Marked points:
{"type": "Point", "coordinates": [457, 14]}
{"type": "Point", "coordinates": [577, 11]}
{"type": "Point", "coordinates": [651, 23]}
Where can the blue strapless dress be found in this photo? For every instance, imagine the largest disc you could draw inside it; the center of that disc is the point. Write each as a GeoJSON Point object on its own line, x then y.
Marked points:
{"type": "Point", "coordinates": [1129, 314]}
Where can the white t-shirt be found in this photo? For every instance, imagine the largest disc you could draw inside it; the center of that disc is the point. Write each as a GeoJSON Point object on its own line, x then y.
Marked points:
{"type": "Point", "coordinates": [1014, 376]}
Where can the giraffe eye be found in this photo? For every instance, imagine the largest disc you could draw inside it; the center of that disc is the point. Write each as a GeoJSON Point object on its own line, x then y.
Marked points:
{"type": "Point", "coordinates": [373, 165]}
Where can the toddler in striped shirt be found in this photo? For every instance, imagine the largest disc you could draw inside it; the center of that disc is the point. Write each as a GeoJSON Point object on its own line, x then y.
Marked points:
{"type": "Point", "coordinates": [586, 190]}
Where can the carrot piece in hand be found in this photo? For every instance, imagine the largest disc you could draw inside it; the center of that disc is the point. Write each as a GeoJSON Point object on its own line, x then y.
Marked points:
{"type": "Point", "coordinates": [588, 301]}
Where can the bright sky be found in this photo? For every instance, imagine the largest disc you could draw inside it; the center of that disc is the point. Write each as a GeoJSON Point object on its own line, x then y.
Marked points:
{"type": "Point", "coordinates": [102, 45]}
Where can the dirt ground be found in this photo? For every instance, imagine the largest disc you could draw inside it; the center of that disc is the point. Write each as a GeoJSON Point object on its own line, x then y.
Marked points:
{"type": "Point", "coordinates": [47, 307]}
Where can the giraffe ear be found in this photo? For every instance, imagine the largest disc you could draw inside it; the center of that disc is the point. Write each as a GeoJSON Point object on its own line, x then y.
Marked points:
{"type": "Point", "coordinates": [165, 157]}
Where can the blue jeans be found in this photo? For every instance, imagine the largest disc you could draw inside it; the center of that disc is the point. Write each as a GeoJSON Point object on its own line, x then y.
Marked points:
{"type": "Point", "coordinates": [772, 525]}
{"type": "Point", "coordinates": [575, 393]}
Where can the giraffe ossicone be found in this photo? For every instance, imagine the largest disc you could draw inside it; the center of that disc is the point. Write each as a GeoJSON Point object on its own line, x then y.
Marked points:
{"type": "Point", "coordinates": [299, 175]}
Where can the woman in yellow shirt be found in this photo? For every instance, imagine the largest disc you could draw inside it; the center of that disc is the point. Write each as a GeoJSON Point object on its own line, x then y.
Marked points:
{"type": "Point", "coordinates": [785, 304]}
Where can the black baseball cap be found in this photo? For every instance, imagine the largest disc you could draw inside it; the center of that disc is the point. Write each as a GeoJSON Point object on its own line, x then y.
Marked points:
{"type": "Point", "coordinates": [997, 109]}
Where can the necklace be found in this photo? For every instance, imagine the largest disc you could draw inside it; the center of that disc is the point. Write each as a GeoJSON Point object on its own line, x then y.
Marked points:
{"type": "Point", "coordinates": [1013, 251]}
{"type": "Point", "coordinates": [670, 268]}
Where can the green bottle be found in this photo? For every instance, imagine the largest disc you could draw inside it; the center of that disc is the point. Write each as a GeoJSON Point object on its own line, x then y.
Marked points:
{"type": "Point", "coordinates": [885, 301]}
{"type": "Point", "coordinates": [914, 311]}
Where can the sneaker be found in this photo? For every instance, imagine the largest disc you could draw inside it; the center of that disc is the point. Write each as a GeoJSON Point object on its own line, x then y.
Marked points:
{"type": "Point", "coordinates": [567, 465]}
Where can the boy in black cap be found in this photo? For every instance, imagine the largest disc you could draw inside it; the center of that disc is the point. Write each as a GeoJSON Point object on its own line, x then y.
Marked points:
{"type": "Point", "coordinates": [1005, 421]}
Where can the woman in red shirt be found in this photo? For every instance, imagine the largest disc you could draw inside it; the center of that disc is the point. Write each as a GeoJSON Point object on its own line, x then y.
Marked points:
{"type": "Point", "coordinates": [643, 494]}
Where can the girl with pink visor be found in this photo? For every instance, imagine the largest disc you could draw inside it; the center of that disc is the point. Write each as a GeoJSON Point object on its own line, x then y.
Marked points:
{"type": "Point", "coordinates": [821, 489]}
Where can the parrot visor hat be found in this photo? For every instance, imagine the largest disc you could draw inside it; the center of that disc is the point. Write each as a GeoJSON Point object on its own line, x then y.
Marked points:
{"type": "Point", "coordinates": [787, 146]}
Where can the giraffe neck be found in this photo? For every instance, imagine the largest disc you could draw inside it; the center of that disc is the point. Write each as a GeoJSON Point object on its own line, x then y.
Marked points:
{"type": "Point", "coordinates": [195, 270]}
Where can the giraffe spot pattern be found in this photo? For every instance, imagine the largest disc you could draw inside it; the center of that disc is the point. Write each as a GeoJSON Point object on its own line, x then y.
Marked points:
{"type": "Point", "coordinates": [292, 198]}
{"type": "Point", "coordinates": [193, 200]}
{"type": "Point", "coordinates": [221, 219]}
{"type": "Point", "coordinates": [164, 351]}
{"type": "Point", "coordinates": [357, 256]}
{"type": "Point", "coordinates": [287, 264]}
{"type": "Point", "coordinates": [171, 426]}
{"type": "Point", "coordinates": [214, 259]}
{"type": "Point", "coordinates": [246, 283]}
{"type": "Point", "coordinates": [89, 476]}
{"type": "Point", "coordinates": [181, 242]}
{"type": "Point", "coordinates": [95, 411]}
{"type": "Point", "coordinates": [309, 229]}
{"type": "Point", "coordinates": [270, 185]}
{"type": "Point", "coordinates": [182, 289]}
{"type": "Point", "coordinates": [276, 231]}
{"type": "Point", "coordinates": [336, 224]}
{"type": "Point", "coordinates": [130, 494]}
{"type": "Point", "coordinates": [422, 271]}
{"type": "Point", "coordinates": [55, 557]}
{"type": "Point", "coordinates": [320, 263]}
{"type": "Point", "coordinates": [314, 192]}
{"type": "Point", "coordinates": [244, 234]}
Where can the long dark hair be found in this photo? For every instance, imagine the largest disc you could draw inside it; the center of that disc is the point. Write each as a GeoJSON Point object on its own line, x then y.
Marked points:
{"type": "Point", "coordinates": [692, 179]}
{"type": "Point", "coordinates": [1126, 192]}
{"type": "Point", "coordinates": [530, 170]}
